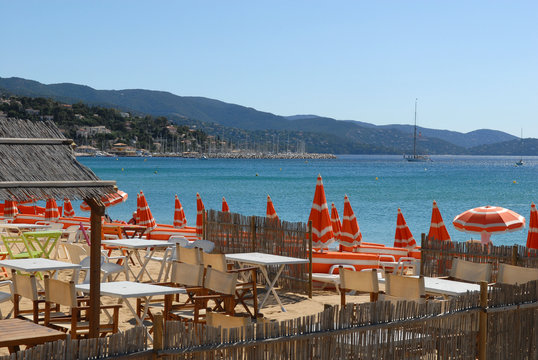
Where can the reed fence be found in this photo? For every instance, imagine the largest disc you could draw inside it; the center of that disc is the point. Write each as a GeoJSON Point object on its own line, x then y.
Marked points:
{"type": "Point", "coordinates": [236, 233]}
{"type": "Point", "coordinates": [497, 323]}
{"type": "Point", "coordinates": [437, 256]}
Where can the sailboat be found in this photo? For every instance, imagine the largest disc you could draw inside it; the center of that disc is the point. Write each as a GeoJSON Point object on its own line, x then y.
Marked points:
{"type": "Point", "coordinates": [415, 157]}
{"type": "Point", "coordinates": [520, 162]}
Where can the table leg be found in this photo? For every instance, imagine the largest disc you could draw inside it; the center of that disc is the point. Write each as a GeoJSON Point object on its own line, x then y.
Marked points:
{"type": "Point", "coordinates": [144, 265]}
{"type": "Point", "coordinates": [140, 320]}
{"type": "Point", "coordinates": [271, 286]}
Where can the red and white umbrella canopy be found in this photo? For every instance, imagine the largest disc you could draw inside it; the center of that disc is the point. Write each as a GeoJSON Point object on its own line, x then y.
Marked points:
{"type": "Point", "coordinates": [403, 237]}
{"type": "Point", "coordinates": [68, 208]}
{"type": "Point", "coordinates": [108, 200]}
{"type": "Point", "coordinates": [225, 207]}
{"type": "Point", "coordinates": [322, 229]}
{"type": "Point", "coordinates": [487, 220]}
{"type": "Point", "coordinates": [438, 229]}
{"type": "Point", "coordinates": [335, 221]}
{"type": "Point", "coordinates": [270, 212]}
{"type": "Point", "coordinates": [146, 218]}
{"type": "Point", "coordinates": [199, 216]}
{"type": "Point", "coordinates": [137, 212]}
{"type": "Point", "coordinates": [51, 211]}
{"type": "Point", "coordinates": [532, 237]}
{"type": "Point", "coordinates": [351, 234]}
{"type": "Point", "coordinates": [10, 209]}
{"type": "Point", "coordinates": [180, 221]}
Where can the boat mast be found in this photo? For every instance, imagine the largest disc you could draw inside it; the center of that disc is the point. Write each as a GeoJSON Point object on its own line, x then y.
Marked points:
{"type": "Point", "coordinates": [415, 135]}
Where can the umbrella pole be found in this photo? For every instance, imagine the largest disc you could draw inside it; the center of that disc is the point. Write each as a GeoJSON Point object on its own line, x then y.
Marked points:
{"type": "Point", "coordinates": [97, 211]}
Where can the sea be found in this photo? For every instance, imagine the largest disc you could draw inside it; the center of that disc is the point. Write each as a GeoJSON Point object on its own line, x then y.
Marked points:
{"type": "Point", "coordinates": [376, 186]}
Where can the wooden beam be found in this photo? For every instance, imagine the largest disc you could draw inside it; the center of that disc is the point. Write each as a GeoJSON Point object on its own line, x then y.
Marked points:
{"type": "Point", "coordinates": [35, 141]}
{"type": "Point", "coordinates": [57, 184]}
{"type": "Point", "coordinates": [97, 212]}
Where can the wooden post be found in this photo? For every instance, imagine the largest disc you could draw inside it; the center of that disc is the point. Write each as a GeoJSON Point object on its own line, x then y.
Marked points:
{"type": "Point", "coordinates": [514, 255]}
{"type": "Point", "coordinates": [310, 259]}
{"type": "Point", "coordinates": [204, 224]}
{"type": "Point", "coordinates": [253, 233]}
{"type": "Point", "coordinates": [422, 241]}
{"type": "Point", "coordinates": [483, 321]}
{"type": "Point", "coordinates": [157, 334]}
{"type": "Point", "coordinates": [97, 212]}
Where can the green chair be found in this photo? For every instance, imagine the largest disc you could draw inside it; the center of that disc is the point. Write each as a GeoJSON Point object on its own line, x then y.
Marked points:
{"type": "Point", "coordinates": [42, 240]}
{"type": "Point", "coordinates": [18, 247]}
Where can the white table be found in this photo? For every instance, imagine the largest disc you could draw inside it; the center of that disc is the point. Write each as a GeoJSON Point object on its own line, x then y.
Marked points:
{"type": "Point", "coordinates": [261, 261]}
{"type": "Point", "coordinates": [36, 265]}
{"type": "Point", "coordinates": [444, 287]}
{"type": "Point", "coordinates": [133, 246]}
{"type": "Point", "coordinates": [22, 226]}
{"type": "Point", "coordinates": [128, 289]}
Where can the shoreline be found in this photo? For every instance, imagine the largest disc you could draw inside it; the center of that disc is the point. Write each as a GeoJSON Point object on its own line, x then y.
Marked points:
{"type": "Point", "coordinates": [228, 156]}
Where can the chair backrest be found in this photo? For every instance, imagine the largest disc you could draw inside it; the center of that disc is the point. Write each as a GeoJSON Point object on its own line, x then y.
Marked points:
{"type": "Point", "coordinates": [60, 292]}
{"type": "Point", "coordinates": [226, 321]}
{"type": "Point", "coordinates": [470, 271]}
{"type": "Point", "coordinates": [364, 281]}
{"type": "Point", "coordinates": [513, 275]}
{"type": "Point", "coordinates": [56, 226]}
{"type": "Point", "coordinates": [404, 287]}
{"type": "Point", "coordinates": [179, 240]}
{"type": "Point", "coordinates": [25, 286]}
{"type": "Point", "coordinates": [216, 261]}
{"type": "Point", "coordinates": [71, 232]}
{"type": "Point", "coordinates": [188, 255]}
{"type": "Point", "coordinates": [206, 245]}
{"type": "Point", "coordinates": [76, 253]}
{"type": "Point", "coordinates": [187, 274]}
{"type": "Point", "coordinates": [220, 282]}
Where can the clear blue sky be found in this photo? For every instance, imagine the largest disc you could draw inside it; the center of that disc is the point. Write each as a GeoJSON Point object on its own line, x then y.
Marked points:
{"type": "Point", "coordinates": [471, 64]}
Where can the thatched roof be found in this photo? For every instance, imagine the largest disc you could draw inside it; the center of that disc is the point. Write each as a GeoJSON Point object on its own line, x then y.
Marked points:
{"type": "Point", "coordinates": [37, 161]}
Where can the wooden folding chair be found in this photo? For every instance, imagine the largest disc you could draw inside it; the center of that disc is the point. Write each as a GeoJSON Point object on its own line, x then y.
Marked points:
{"type": "Point", "coordinates": [516, 275]}
{"type": "Point", "coordinates": [361, 281]}
{"type": "Point", "coordinates": [398, 287]}
{"type": "Point", "coordinates": [468, 271]}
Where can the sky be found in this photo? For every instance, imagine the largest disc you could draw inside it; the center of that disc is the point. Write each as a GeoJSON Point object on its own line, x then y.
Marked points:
{"type": "Point", "coordinates": [471, 64]}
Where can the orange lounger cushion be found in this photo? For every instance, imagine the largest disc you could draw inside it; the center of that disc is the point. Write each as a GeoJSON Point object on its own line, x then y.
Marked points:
{"type": "Point", "coordinates": [322, 261]}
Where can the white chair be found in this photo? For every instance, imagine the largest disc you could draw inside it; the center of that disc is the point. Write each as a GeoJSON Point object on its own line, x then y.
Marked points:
{"type": "Point", "coordinates": [169, 255]}
{"type": "Point", "coordinates": [206, 245]}
{"type": "Point", "coordinates": [79, 255]}
{"type": "Point", "coordinates": [4, 296]}
{"type": "Point", "coordinates": [406, 266]}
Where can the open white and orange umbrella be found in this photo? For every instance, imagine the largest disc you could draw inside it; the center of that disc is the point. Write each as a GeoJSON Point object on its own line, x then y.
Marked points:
{"type": "Point", "coordinates": [351, 234]}
{"type": "Point", "coordinates": [199, 216]}
{"type": "Point", "coordinates": [270, 212]}
{"type": "Point", "coordinates": [68, 208]}
{"type": "Point", "coordinates": [225, 207]}
{"type": "Point", "coordinates": [335, 221]}
{"type": "Point", "coordinates": [51, 211]}
{"type": "Point", "coordinates": [322, 229]}
{"type": "Point", "coordinates": [438, 229]}
{"type": "Point", "coordinates": [487, 220]}
{"type": "Point", "coordinates": [146, 218]}
{"type": "Point", "coordinates": [532, 237]}
{"type": "Point", "coordinates": [10, 209]}
{"type": "Point", "coordinates": [108, 200]}
{"type": "Point", "coordinates": [403, 237]}
{"type": "Point", "coordinates": [180, 221]}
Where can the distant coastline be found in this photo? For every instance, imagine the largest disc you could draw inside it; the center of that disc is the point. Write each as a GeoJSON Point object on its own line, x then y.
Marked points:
{"type": "Point", "coordinates": [233, 155]}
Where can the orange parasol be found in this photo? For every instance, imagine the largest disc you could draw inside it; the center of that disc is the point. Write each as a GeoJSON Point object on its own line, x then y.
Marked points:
{"type": "Point", "coordinates": [51, 211]}
{"type": "Point", "coordinates": [180, 221]}
{"type": "Point", "coordinates": [137, 212]}
{"type": "Point", "coordinates": [532, 237]}
{"type": "Point", "coordinates": [438, 229]}
{"type": "Point", "coordinates": [68, 208]}
{"type": "Point", "coordinates": [270, 213]}
{"type": "Point", "coordinates": [335, 221]}
{"type": "Point", "coordinates": [487, 220]}
{"type": "Point", "coordinates": [199, 216]}
{"type": "Point", "coordinates": [403, 237]}
{"type": "Point", "coordinates": [225, 207]}
{"type": "Point", "coordinates": [10, 209]}
{"type": "Point", "coordinates": [108, 200]}
{"type": "Point", "coordinates": [322, 230]}
{"type": "Point", "coordinates": [146, 219]}
{"type": "Point", "coordinates": [351, 234]}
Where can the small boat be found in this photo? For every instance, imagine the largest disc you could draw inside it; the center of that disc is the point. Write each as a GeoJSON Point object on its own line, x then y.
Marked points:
{"type": "Point", "coordinates": [416, 157]}
{"type": "Point", "coordinates": [520, 162]}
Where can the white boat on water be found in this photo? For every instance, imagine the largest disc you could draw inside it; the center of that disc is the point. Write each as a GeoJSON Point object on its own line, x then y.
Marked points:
{"type": "Point", "coordinates": [416, 157]}
{"type": "Point", "coordinates": [520, 162]}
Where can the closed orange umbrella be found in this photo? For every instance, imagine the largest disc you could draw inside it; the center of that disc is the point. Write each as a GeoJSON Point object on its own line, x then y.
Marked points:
{"type": "Point", "coordinates": [351, 234]}
{"type": "Point", "coordinates": [68, 208]}
{"type": "Point", "coordinates": [199, 216]}
{"type": "Point", "coordinates": [108, 200]}
{"type": "Point", "coordinates": [10, 209]}
{"type": "Point", "coordinates": [225, 207]}
{"type": "Point", "coordinates": [146, 218]}
{"type": "Point", "coordinates": [51, 211]}
{"type": "Point", "coordinates": [180, 221]}
{"type": "Point", "coordinates": [403, 237]}
{"type": "Point", "coordinates": [487, 220]}
{"type": "Point", "coordinates": [322, 230]}
{"type": "Point", "coordinates": [532, 237]}
{"type": "Point", "coordinates": [270, 213]}
{"type": "Point", "coordinates": [438, 229]}
{"type": "Point", "coordinates": [335, 221]}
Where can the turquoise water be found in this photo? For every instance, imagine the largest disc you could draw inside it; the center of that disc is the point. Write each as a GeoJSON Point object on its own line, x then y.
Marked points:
{"type": "Point", "coordinates": [457, 183]}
